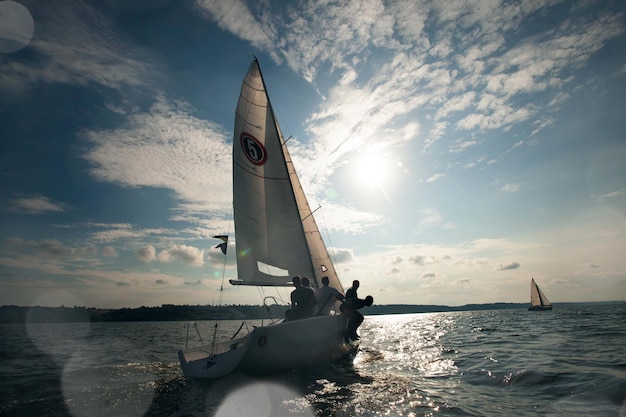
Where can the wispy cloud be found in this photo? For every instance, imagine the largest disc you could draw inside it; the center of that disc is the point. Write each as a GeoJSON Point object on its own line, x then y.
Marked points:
{"type": "Point", "coordinates": [235, 16]}
{"type": "Point", "coordinates": [36, 204]}
{"type": "Point", "coordinates": [114, 232]}
{"type": "Point", "coordinates": [169, 148]}
{"type": "Point", "coordinates": [78, 46]}
{"type": "Point", "coordinates": [109, 251]}
{"type": "Point", "coordinates": [51, 248]}
{"type": "Point", "coordinates": [608, 196]}
{"type": "Point", "coordinates": [435, 177]}
{"type": "Point", "coordinates": [507, 266]}
{"type": "Point", "coordinates": [340, 218]}
{"type": "Point", "coordinates": [428, 64]}
{"type": "Point", "coordinates": [509, 188]}
{"type": "Point", "coordinates": [432, 218]}
{"type": "Point", "coordinates": [430, 74]}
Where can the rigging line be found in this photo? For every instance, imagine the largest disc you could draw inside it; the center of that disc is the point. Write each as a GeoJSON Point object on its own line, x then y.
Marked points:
{"type": "Point", "coordinates": [283, 121]}
{"type": "Point", "coordinates": [280, 297]}
{"type": "Point", "coordinates": [219, 302]}
{"type": "Point", "coordinates": [270, 105]}
{"type": "Point", "coordinates": [261, 292]}
{"type": "Point", "coordinates": [310, 214]}
{"type": "Point", "coordinates": [330, 243]}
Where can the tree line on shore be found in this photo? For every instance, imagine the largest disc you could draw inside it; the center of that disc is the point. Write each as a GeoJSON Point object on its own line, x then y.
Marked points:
{"type": "Point", "coordinates": [169, 312]}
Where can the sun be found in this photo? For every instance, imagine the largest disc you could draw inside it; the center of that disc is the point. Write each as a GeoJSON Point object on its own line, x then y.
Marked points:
{"type": "Point", "coordinates": [370, 169]}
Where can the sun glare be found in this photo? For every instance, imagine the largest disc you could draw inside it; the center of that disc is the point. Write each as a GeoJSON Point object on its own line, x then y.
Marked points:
{"type": "Point", "coordinates": [370, 169]}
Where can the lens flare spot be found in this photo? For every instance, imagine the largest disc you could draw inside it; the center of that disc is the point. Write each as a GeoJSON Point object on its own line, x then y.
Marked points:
{"type": "Point", "coordinates": [264, 399]}
{"type": "Point", "coordinates": [16, 27]}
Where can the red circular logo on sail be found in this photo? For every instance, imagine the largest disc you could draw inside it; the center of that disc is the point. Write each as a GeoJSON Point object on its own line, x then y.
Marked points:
{"type": "Point", "coordinates": [253, 149]}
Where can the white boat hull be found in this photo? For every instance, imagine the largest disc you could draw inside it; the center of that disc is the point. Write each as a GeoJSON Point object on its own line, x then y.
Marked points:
{"type": "Point", "coordinates": [279, 347]}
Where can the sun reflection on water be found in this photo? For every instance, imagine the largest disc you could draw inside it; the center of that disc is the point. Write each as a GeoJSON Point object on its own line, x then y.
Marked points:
{"type": "Point", "coordinates": [412, 343]}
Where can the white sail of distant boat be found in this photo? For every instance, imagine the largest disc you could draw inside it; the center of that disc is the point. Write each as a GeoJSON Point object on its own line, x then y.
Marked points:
{"type": "Point", "coordinates": [538, 300]}
{"type": "Point", "coordinates": [276, 238]}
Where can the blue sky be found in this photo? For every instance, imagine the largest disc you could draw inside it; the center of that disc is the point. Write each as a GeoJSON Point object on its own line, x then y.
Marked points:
{"type": "Point", "coordinates": [455, 148]}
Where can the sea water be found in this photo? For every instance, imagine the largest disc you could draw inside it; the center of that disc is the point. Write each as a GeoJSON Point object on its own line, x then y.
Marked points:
{"type": "Point", "coordinates": [567, 362]}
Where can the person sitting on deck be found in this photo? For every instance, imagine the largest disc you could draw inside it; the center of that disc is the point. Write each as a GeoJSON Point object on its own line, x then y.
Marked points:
{"type": "Point", "coordinates": [306, 283]}
{"type": "Point", "coordinates": [302, 301]}
{"type": "Point", "coordinates": [326, 297]}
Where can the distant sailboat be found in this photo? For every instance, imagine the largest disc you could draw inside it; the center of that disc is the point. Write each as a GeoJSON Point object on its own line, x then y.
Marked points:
{"type": "Point", "coordinates": [276, 238]}
{"type": "Point", "coordinates": [538, 300]}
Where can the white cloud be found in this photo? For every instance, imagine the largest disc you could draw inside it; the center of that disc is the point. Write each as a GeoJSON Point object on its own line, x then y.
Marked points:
{"type": "Point", "coordinates": [109, 251]}
{"type": "Point", "coordinates": [341, 255]}
{"type": "Point", "coordinates": [236, 17]}
{"type": "Point", "coordinates": [488, 66]}
{"type": "Point", "coordinates": [115, 232]}
{"type": "Point", "coordinates": [456, 104]}
{"type": "Point", "coordinates": [147, 254]}
{"type": "Point", "coordinates": [464, 66]}
{"type": "Point", "coordinates": [423, 259]}
{"type": "Point", "coordinates": [507, 266]}
{"type": "Point", "coordinates": [51, 249]}
{"type": "Point", "coordinates": [166, 148]}
{"type": "Point", "coordinates": [462, 145]}
{"type": "Point", "coordinates": [435, 177]}
{"type": "Point", "coordinates": [509, 188]}
{"type": "Point", "coordinates": [187, 254]}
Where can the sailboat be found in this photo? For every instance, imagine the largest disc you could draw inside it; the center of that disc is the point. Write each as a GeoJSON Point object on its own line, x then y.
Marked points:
{"type": "Point", "coordinates": [277, 238]}
{"type": "Point", "coordinates": [538, 300]}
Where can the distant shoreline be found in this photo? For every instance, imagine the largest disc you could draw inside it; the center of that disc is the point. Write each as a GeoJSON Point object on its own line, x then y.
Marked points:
{"type": "Point", "coordinates": [168, 312]}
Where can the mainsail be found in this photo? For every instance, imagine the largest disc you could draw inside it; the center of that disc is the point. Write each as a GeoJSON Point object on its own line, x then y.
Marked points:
{"type": "Point", "coordinates": [275, 231]}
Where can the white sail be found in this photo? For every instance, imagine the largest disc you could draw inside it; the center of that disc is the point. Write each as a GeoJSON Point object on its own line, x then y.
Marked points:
{"type": "Point", "coordinates": [537, 297]}
{"type": "Point", "coordinates": [276, 234]}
